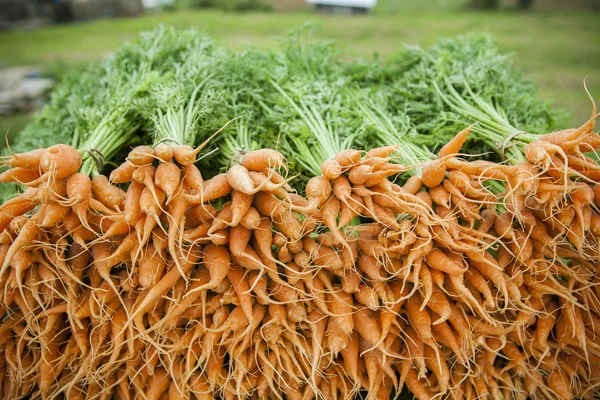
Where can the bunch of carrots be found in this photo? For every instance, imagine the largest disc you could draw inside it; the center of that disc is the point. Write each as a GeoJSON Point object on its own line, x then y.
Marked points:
{"type": "Point", "coordinates": [471, 280]}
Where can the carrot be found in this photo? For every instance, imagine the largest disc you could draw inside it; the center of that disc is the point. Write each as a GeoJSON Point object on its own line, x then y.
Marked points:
{"type": "Point", "coordinates": [212, 189]}
{"type": "Point", "coordinates": [350, 281]}
{"type": "Point", "coordinates": [433, 173]}
{"type": "Point", "coordinates": [490, 269]}
{"type": "Point", "coordinates": [123, 173]}
{"type": "Point", "coordinates": [79, 191]}
{"type": "Point", "coordinates": [439, 304]}
{"type": "Point", "coordinates": [366, 326]}
{"type": "Point", "coordinates": [389, 315]}
{"type": "Point", "coordinates": [559, 383]}
{"type": "Point", "coordinates": [331, 169]}
{"type": "Point", "coordinates": [337, 339]}
{"type": "Point", "coordinates": [185, 155]}
{"type": "Point", "coordinates": [30, 160]}
{"type": "Point", "coordinates": [141, 155]}
{"type": "Point", "coordinates": [425, 198]}
{"type": "Point", "coordinates": [340, 305]}
{"type": "Point", "coordinates": [318, 191]}
{"type": "Point", "coordinates": [317, 291]}
{"type": "Point", "coordinates": [177, 209]}
{"type": "Point", "coordinates": [420, 319]}
{"type": "Point", "coordinates": [329, 214]}
{"type": "Point", "coordinates": [218, 262]}
{"type": "Point", "coordinates": [109, 195]}
{"type": "Point", "coordinates": [240, 206]}
{"type": "Point", "coordinates": [9, 212]}
{"type": "Point", "coordinates": [371, 366]}
{"type": "Point", "coordinates": [367, 296]}
{"type": "Point", "coordinates": [341, 188]}
{"type": "Point", "coordinates": [166, 283]}
{"type": "Point", "coordinates": [19, 175]}
{"type": "Point", "coordinates": [54, 213]}
{"type": "Point", "coordinates": [318, 326]}
{"type": "Point", "coordinates": [131, 206]}
{"type": "Point", "coordinates": [264, 240]}
{"type": "Point", "coordinates": [440, 196]}
{"type": "Point", "coordinates": [28, 233]}
{"type": "Point", "coordinates": [454, 145]}
{"type": "Point", "coordinates": [200, 214]}
{"type": "Point", "coordinates": [360, 174]}
{"type": "Point", "coordinates": [240, 285]}
{"type": "Point", "coordinates": [60, 161]}
{"type": "Point", "coordinates": [259, 160]}
{"type": "Point", "coordinates": [438, 365]}
{"type": "Point", "coordinates": [440, 261]}
{"type": "Point", "coordinates": [475, 278]}
{"type": "Point", "coordinates": [348, 158]}
{"type": "Point", "coordinates": [151, 266]}
{"type": "Point", "coordinates": [239, 179]}
{"type": "Point", "coordinates": [167, 177]}
{"type": "Point", "coordinates": [157, 384]}
{"type": "Point", "coordinates": [350, 357]}
{"type": "Point", "coordinates": [416, 387]}
{"type": "Point", "coordinates": [163, 151]}
{"type": "Point", "coordinates": [371, 267]}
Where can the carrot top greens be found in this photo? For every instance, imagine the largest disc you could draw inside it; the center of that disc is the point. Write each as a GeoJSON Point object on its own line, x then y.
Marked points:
{"type": "Point", "coordinates": [302, 97]}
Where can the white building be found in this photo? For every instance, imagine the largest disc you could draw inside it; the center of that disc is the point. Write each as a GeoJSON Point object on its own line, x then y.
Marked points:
{"type": "Point", "coordinates": [344, 6]}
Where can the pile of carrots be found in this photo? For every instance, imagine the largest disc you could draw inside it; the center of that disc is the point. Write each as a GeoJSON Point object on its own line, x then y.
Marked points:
{"type": "Point", "coordinates": [236, 287]}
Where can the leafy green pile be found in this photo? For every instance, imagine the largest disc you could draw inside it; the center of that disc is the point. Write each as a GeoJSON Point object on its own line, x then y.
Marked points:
{"type": "Point", "coordinates": [301, 97]}
{"type": "Point", "coordinates": [456, 83]}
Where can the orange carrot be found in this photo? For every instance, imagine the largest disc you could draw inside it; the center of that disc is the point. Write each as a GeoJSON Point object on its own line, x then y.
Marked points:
{"type": "Point", "coordinates": [259, 160]}
{"type": "Point", "coordinates": [212, 189]}
{"type": "Point", "coordinates": [29, 160]}
{"type": "Point", "coordinates": [416, 387]}
{"type": "Point", "coordinates": [19, 175]}
{"type": "Point", "coordinates": [151, 266]}
{"type": "Point", "coordinates": [240, 205]}
{"type": "Point", "coordinates": [350, 356]}
{"type": "Point", "coordinates": [348, 157]}
{"type": "Point", "coordinates": [560, 385]}
{"type": "Point", "coordinates": [366, 326]}
{"type": "Point", "coordinates": [141, 155]}
{"type": "Point", "coordinates": [360, 174]}
{"type": "Point", "coordinates": [218, 262]}
{"type": "Point", "coordinates": [433, 173]}
{"type": "Point", "coordinates": [123, 173]}
{"type": "Point", "coordinates": [439, 304]}
{"type": "Point", "coordinates": [240, 285]}
{"type": "Point", "coordinates": [239, 179]}
{"type": "Point", "coordinates": [60, 161]}
{"type": "Point", "coordinates": [109, 195]}
{"type": "Point", "coordinates": [331, 169]}
{"type": "Point", "coordinates": [26, 236]}
{"type": "Point", "coordinates": [341, 188]}
{"type": "Point", "coordinates": [419, 319]}
{"type": "Point", "coordinates": [454, 145]}
{"type": "Point", "coordinates": [167, 177]}
{"type": "Point", "coordinates": [131, 206]}
{"type": "Point", "coordinates": [163, 151]}
{"type": "Point", "coordinates": [440, 261]}
{"type": "Point", "coordinates": [54, 213]}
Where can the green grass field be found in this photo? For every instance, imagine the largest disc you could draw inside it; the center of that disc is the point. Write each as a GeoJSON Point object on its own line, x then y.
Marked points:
{"type": "Point", "coordinates": [557, 49]}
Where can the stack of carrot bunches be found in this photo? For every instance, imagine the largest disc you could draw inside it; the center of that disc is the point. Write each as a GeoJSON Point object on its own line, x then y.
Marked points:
{"type": "Point", "coordinates": [236, 287]}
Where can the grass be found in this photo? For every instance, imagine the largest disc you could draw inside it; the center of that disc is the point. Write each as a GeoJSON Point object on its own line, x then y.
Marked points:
{"type": "Point", "coordinates": [10, 125]}
{"type": "Point", "coordinates": [557, 49]}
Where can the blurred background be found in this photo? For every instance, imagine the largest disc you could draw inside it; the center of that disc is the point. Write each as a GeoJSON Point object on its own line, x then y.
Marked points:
{"type": "Point", "coordinates": [554, 41]}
